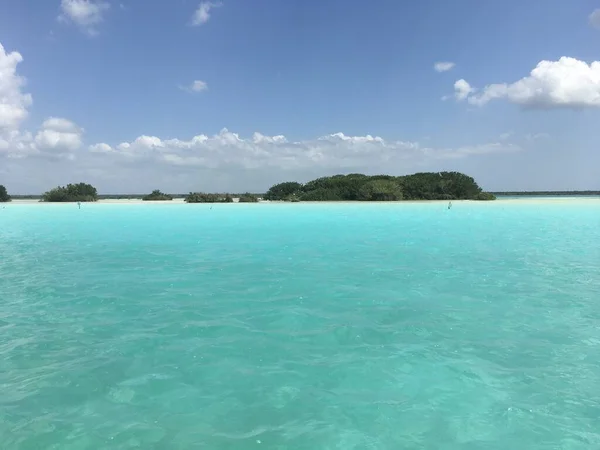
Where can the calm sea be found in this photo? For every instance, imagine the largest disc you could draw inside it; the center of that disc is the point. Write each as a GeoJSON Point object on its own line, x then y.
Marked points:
{"type": "Point", "coordinates": [300, 326]}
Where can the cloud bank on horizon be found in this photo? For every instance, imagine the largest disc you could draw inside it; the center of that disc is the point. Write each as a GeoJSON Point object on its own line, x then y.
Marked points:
{"type": "Point", "coordinates": [231, 161]}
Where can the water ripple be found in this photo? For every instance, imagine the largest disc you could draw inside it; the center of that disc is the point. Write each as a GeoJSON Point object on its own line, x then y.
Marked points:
{"type": "Point", "coordinates": [305, 327]}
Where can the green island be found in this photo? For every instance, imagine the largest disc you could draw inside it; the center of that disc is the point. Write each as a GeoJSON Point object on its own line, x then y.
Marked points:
{"type": "Point", "coordinates": [157, 195]}
{"type": "Point", "coordinates": [359, 187]}
{"type": "Point", "coordinates": [80, 192]}
{"type": "Point", "coordinates": [4, 197]}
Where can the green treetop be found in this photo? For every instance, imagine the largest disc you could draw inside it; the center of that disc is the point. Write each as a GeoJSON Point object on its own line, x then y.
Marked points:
{"type": "Point", "coordinates": [4, 197]}
{"type": "Point", "coordinates": [156, 195]}
{"type": "Point", "coordinates": [80, 192]}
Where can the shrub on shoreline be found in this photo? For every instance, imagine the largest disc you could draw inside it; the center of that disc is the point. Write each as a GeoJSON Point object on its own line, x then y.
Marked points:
{"type": "Point", "coordinates": [80, 192]}
{"type": "Point", "coordinates": [4, 197]}
{"type": "Point", "coordinates": [248, 198]}
{"type": "Point", "coordinates": [156, 195]}
{"type": "Point", "coordinates": [201, 197]}
{"type": "Point", "coordinates": [485, 196]}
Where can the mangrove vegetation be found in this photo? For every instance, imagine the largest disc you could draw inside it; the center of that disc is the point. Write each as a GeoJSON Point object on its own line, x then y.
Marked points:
{"type": "Point", "coordinates": [359, 187]}
{"type": "Point", "coordinates": [4, 197]}
{"type": "Point", "coordinates": [201, 197]}
{"type": "Point", "coordinates": [248, 198]}
{"type": "Point", "coordinates": [156, 195]}
{"type": "Point", "coordinates": [80, 192]}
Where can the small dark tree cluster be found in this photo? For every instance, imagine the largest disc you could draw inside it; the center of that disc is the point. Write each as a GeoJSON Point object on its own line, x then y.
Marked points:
{"type": "Point", "coordinates": [4, 197]}
{"type": "Point", "coordinates": [485, 196]}
{"type": "Point", "coordinates": [359, 187]}
{"type": "Point", "coordinates": [248, 198]}
{"type": "Point", "coordinates": [201, 197]}
{"type": "Point", "coordinates": [80, 192]}
{"type": "Point", "coordinates": [156, 195]}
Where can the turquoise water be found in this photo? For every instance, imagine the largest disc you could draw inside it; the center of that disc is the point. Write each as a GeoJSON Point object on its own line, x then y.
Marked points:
{"type": "Point", "coordinates": [333, 326]}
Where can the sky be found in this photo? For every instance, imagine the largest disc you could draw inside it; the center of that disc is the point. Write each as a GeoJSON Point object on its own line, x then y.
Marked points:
{"type": "Point", "coordinates": [236, 95]}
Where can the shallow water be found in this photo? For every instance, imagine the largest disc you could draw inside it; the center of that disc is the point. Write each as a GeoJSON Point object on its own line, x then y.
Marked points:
{"type": "Point", "coordinates": [352, 326]}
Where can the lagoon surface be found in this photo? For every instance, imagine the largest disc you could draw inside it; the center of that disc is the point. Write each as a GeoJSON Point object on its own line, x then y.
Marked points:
{"type": "Point", "coordinates": [300, 326]}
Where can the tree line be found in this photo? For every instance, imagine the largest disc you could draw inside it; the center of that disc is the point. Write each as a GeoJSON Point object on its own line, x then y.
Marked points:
{"type": "Point", "coordinates": [359, 187]}
{"type": "Point", "coordinates": [83, 192]}
{"type": "Point", "coordinates": [80, 192]}
{"type": "Point", "coordinates": [202, 197]}
{"type": "Point", "coordinates": [351, 187]}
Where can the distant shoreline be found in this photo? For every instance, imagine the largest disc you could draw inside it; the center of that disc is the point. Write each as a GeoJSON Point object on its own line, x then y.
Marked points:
{"type": "Point", "coordinates": [181, 197]}
{"type": "Point", "coordinates": [548, 194]}
{"type": "Point", "coordinates": [180, 201]}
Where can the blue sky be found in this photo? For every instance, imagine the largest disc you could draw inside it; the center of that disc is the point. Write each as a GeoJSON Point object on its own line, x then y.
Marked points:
{"type": "Point", "coordinates": [343, 86]}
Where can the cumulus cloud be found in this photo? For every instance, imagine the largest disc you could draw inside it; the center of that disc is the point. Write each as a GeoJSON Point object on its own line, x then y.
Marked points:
{"type": "Point", "coordinates": [56, 137]}
{"type": "Point", "coordinates": [443, 66]}
{"type": "Point", "coordinates": [13, 101]}
{"type": "Point", "coordinates": [17, 145]}
{"type": "Point", "coordinates": [59, 135]}
{"type": "Point", "coordinates": [60, 125]}
{"type": "Point", "coordinates": [86, 14]}
{"type": "Point", "coordinates": [595, 18]}
{"type": "Point", "coordinates": [202, 14]}
{"type": "Point", "coordinates": [566, 83]}
{"type": "Point", "coordinates": [196, 86]}
{"type": "Point", "coordinates": [334, 151]}
{"type": "Point", "coordinates": [101, 148]}
{"type": "Point", "coordinates": [462, 89]}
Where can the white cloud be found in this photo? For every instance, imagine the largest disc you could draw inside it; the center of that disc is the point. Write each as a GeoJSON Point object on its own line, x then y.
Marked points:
{"type": "Point", "coordinates": [567, 83]}
{"type": "Point", "coordinates": [224, 161]}
{"type": "Point", "coordinates": [491, 92]}
{"type": "Point", "coordinates": [334, 151]}
{"type": "Point", "coordinates": [17, 145]}
{"type": "Point", "coordinates": [506, 136]}
{"type": "Point", "coordinates": [56, 137]}
{"type": "Point", "coordinates": [61, 125]}
{"type": "Point", "coordinates": [59, 135]}
{"type": "Point", "coordinates": [595, 18]}
{"type": "Point", "coordinates": [202, 14]}
{"type": "Point", "coordinates": [199, 86]}
{"type": "Point", "coordinates": [195, 87]}
{"type": "Point", "coordinates": [443, 66]}
{"type": "Point", "coordinates": [462, 89]}
{"type": "Point", "coordinates": [101, 148]}
{"type": "Point", "coordinates": [258, 138]}
{"type": "Point", "coordinates": [13, 102]}
{"type": "Point", "coordinates": [86, 14]}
